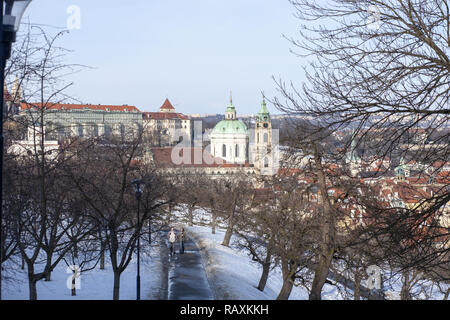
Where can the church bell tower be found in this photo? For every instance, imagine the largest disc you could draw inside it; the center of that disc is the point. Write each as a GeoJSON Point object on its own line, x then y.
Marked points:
{"type": "Point", "coordinates": [263, 139]}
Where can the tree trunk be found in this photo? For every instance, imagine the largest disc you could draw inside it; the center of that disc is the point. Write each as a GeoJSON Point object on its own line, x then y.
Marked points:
{"type": "Point", "coordinates": [229, 232]}
{"type": "Point", "coordinates": [102, 256]}
{"type": "Point", "coordinates": [265, 272]}
{"type": "Point", "coordinates": [47, 270]}
{"type": "Point", "coordinates": [404, 293]}
{"type": "Point", "coordinates": [286, 289]}
{"type": "Point", "coordinates": [191, 216]}
{"type": "Point", "coordinates": [116, 285]}
{"type": "Point", "coordinates": [328, 234]}
{"type": "Point", "coordinates": [33, 291]}
{"type": "Point", "coordinates": [264, 277]}
{"type": "Point", "coordinates": [446, 294]}
{"type": "Point", "coordinates": [74, 290]}
{"type": "Point", "coordinates": [48, 276]}
{"type": "Point", "coordinates": [23, 264]}
{"type": "Point", "coordinates": [320, 276]}
{"type": "Point", "coordinates": [150, 230]}
{"type": "Point", "coordinates": [32, 283]}
{"type": "Point", "coordinates": [213, 222]}
{"type": "Point", "coordinates": [288, 282]}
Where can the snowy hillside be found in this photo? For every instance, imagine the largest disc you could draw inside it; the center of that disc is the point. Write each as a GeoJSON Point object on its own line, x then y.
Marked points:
{"type": "Point", "coordinates": [232, 274]}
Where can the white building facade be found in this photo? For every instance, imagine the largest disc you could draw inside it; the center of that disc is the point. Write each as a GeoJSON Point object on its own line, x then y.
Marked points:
{"type": "Point", "coordinates": [229, 138]}
{"type": "Point", "coordinates": [233, 142]}
{"type": "Point", "coordinates": [167, 126]}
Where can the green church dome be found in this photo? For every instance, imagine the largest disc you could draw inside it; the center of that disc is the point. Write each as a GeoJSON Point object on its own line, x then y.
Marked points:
{"type": "Point", "coordinates": [233, 126]}
{"type": "Point", "coordinates": [263, 114]}
{"type": "Point", "coordinates": [230, 125]}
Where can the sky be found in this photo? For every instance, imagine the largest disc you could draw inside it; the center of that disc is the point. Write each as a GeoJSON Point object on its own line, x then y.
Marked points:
{"type": "Point", "coordinates": [193, 52]}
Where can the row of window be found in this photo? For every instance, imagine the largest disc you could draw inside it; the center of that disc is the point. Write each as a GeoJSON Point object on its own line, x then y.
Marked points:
{"type": "Point", "coordinates": [224, 150]}
{"type": "Point", "coordinates": [265, 137]}
{"type": "Point", "coordinates": [236, 154]}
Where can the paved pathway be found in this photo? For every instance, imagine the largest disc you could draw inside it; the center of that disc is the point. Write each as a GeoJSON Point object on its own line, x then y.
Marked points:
{"type": "Point", "coordinates": [186, 274]}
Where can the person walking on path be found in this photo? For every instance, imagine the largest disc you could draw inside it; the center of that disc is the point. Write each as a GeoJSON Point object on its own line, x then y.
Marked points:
{"type": "Point", "coordinates": [182, 237]}
{"type": "Point", "coordinates": [172, 238]}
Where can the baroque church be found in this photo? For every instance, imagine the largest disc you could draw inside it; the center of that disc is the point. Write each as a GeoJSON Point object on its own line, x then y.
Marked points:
{"type": "Point", "coordinates": [233, 142]}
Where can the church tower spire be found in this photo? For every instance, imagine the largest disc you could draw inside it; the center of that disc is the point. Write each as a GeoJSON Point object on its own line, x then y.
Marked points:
{"type": "Point", "coordinates": [16, 91]}
{"type": "Point", "coordinates": [263, 139]}
{"type": "Point", "coordinates": [263, 114]}
{"type": "Point", "coordinates": [352, 157]}
{"type": "Point", "coordinates": [230, 113]}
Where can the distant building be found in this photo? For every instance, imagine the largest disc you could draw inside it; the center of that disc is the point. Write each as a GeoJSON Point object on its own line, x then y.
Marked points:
{"type": "Point", "coordinates": [352, 159]}
{"type": "Point", "coordinates": [11, 101]}
{"type": "Point", "coordinates": [32, 145]}
{"type": "Point", "coordinates": [229, 138]}
{"type": "Point", "coordinates": [166, 127]}
{"type": "Point", "coordinates": [233, 142]}
{"type": "Point", "coordinates": [233, 149]}
{"type": "Point", "coordinates": [264, 157]}
{"type": "Point", "coordinates": [83, 120]}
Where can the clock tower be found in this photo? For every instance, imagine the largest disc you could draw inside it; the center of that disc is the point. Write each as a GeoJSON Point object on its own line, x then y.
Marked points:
{"type": "Point", "coordinates": [263, 158]}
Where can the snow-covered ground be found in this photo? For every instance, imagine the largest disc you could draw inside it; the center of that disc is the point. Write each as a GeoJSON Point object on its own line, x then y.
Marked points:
{"type": "Point", "coordinates": [94, 285]}
{"type": "Point", "coordinates": [232, 274]}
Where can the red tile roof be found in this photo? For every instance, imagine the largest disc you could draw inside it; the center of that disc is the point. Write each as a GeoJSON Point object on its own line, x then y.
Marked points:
{"type": "Point", "coordinates": [64, 106]}
{"type": "Point", "coordinates": [167, 105]}
{"type": "Point", "coordinates": [163, 116]}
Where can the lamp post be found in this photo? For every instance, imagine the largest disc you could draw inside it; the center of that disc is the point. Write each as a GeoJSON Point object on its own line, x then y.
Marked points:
{"type": "Point", "coordinates": [12, 12]}
{"type": "Point", "coordinates": [138, 189]}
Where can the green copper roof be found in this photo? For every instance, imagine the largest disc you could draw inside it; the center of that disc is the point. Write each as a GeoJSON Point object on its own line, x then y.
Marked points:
{"type": "Point", "coordinates": [263, 114]}
{"type": "Point", "coordinates": [352, 155]}
{"type": "Point", "coordinates": [230, 107]}
{"type": "Point", "coordinates": [401, 168]}
{"type": "Point", "coordinates": [230, 126]}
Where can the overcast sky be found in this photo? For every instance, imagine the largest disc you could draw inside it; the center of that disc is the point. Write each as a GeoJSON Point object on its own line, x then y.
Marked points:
{"type": "Point", "coordinates": [191, 51]}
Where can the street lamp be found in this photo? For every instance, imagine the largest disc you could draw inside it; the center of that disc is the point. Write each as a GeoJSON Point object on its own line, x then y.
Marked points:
{"type": "Point", "coordinates": [12, 12]}
{"type": "Point", "coordinates": [138, 189]}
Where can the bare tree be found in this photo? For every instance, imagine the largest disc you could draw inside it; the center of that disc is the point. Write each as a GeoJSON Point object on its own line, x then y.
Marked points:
{"type": "Point", "coordinates": [103, 179]}
{"type": "Point", "coordinates": [40, 226]}
{"type": "Point", "coordinates": [256, 231]}
{"type": "Point", "coordinates": [83, 256]}
{"type": "Point", "coordinates": [237, 195]}
{"type": "Point", "coordinates": [192, 193]}
{"type": "Point", "coordinates": [381, 69]}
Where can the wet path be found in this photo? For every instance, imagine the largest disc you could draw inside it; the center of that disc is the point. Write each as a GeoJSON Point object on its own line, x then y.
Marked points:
{"type": "Point", "coordinates": [186, 275]}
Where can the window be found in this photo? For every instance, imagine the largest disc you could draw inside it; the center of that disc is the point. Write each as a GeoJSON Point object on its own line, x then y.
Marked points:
{"type": "Point", "coordinates": [224, 150]}
{"type": "Point", "coordinates": [236, 152]}
{"type": "Point", "coordinates": [266, 163]}
{"type": "Point", "coordinates": [266, 137]}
